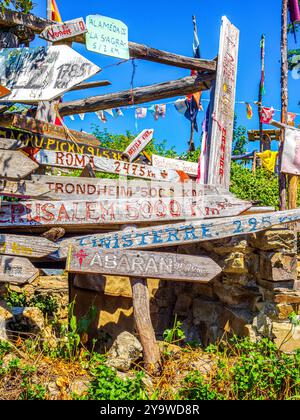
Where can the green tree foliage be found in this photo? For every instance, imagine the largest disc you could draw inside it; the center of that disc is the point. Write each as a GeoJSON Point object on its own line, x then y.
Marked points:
{"type": "Point", "coordinates": [239, 138]}
{"type": "Point", "coordinates": [24, 6]}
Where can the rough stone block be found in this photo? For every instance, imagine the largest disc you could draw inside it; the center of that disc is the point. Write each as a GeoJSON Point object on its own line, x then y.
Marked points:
{"type": "Point", "coordinates": [286, 336]}
{"type": "Point", "coordinates": [236, 295]}
{"type": "Point", "coordinates": [235, 263]}
{"type": "Point", "coordinates": [183, 305]}
{"type": "Point", "coordinates": [275, 239]}
{"type": "Point", "coordinates": [278, 267]}
{"type": "Point", "coordinates": [205, 311]}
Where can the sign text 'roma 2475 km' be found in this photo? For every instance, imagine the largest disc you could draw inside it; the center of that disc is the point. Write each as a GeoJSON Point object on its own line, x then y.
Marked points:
{"type": "Point", "coordinates": [42, 73]}
{"type": "Point", "coordinates": [107, 36]}
{"type": "Point", "coordinates": [142, 264]}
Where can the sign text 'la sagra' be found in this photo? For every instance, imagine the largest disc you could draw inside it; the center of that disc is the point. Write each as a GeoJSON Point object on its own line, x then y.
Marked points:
{"type": "Point", "coordinates": [107, 36]}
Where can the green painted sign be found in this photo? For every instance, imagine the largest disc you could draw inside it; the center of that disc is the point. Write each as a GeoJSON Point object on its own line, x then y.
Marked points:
{"type": "Point", "coordinates": [107, 36]}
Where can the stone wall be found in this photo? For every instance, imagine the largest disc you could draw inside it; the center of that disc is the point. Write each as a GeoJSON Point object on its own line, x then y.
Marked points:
{"type": "Point", "coordinates": [254, 296]}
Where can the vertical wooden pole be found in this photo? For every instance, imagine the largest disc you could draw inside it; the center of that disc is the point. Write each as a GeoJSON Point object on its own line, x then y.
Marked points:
{"type": "Point", "coordinates": [260, 94]}
{"type": "Point", "coordinates": [141, 306]}
{"type": "Point", "coordinates": [254, 162]}
{"type": "Point", "coordinates": [284, 99]}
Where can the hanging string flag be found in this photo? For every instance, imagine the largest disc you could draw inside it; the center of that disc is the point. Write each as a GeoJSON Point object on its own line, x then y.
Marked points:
{"type": "Point", "coordinates": [141, 113]}
{"type": "Point", "coordinates": [82, 116]}
{"type": "Point", "coordinates": [72, 117]}
{"type": "Point", "coordinates": [267, 115]}
{"type": "Point", "coordinates": [204, 156]}
{"type": "Point", "coordinates": [109, 112]}
{"type": "Point", "coordinates": [291, 119]}
{"type": "Point", "coordinates": [249, 111]}
{"type": "Point", "coordinates": [181, 106]}
{"type": "Point", "coordinates": [55, 14]}
{"type": "Point", "coordinates": [268, 159]}
{"type": "Point", "coordinates": [294, 11]}
{"type": "Point", "coordinates": [101, 116]}
{"type": "Point", "coordinates": [160, 111]}
{"type": "Point", "coordinates": [119, 112]}
{"type": "Point", "coordinates": [262, 58]}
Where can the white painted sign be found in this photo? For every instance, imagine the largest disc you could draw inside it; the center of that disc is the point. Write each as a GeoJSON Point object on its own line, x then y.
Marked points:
{"type": "Point", "coordinates": [291, 152]}
{"type": "Point", "coordinates": [190, 168]}
{"type": "Point", "coordinates": [139, 144]}
{"type": "Point", "coordinates": [222, 117]}
{"type": "Point", "coordinates": [43, 73]}
{"type": "Point", "coordinates": [107, 36]}
{"type": "Point", "coordinates": [65, 30]}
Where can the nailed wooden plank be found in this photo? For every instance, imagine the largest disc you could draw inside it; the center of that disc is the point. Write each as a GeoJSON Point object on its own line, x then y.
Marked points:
{"type": "Point", "coordinates": [117, 211]}
{"type": "Point", "coordinates": [162, 266]}
{"type": "Point", "coordinates": [4, 91]}
{"type": "Point", "coordinates": [222, 111]}
{"type": "Point", "coordinates": [9, 18]}
{"type": "Point", "coordinates": [42, 73]}
{"type": "Point", "coordinates": [17, 270]}
{"type": "Point", "coordinates": [44, 128]}
{"type": "Point", "coordinates": [37, 141]}
{"type": "Point", "coordinates": [75, 188]}
{"type": "Point", "coordinates": [190, 168]}
{"type": "Point", "coordinates": [64, 30]}
{"type": "Point", "coordinates": [26, 246]}
{"type": "Point", "coordinates": [116, 167]}
{"type": "Point", "coordinates": [91, 85]}
{"type": "Point", "coordinates": [15, 164]}
{"type": "Point", "coordinates": [181, 233]}
{"type": "Point", "coordinates": [7, 144]}
{"type": "Point", "coordinates": [138, 144]}
{"type": "Point", "coordinates": [141, 95]}
{"type": "Point", "coordinates": [23, 189]}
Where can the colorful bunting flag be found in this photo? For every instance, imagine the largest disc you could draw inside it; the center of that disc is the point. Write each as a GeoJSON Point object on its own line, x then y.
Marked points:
{"type": "Point", "coordinates": [141, 113]}
{"type": "Point", "coordinates": [203, 159]}
{"type": "Point", "coordinates": [181, 105]}
{"type": "Point", "coordinates": [267, 115]}
{"type": "Point", "coordinates": [249, 111]}
{"type": "Point", "coordinates": [268, 159]}
{"type": "Point", "coordinates": [291, 119]}
{"type": "Point", "coordinates": [294, 11]}
{"type": "Point", "coordinates": [109, 112]}
{"type": "Point", "coordinates": [81, 116]}
{"type": "Point", "coordinates": [101, 116]}
{"type": "Point", "coordinates": [72, 117]}
{"type": "Point", "coordinates": [160, 111]}
{"type": "Point", "coordinates": [119, 112]}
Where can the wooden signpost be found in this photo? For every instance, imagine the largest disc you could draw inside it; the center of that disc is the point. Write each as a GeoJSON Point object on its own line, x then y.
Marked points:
{"type": "Point", "coordinates": [23, 189]}
{"type": "Point", "coordinates": [181, 233]}
{"type": "Point", "coordinates": [4, 91]}
{"type": "Point", "coordinates": [42, 73]}
{"type": "Point", "coordinates": [31, 125]}
{"type": "Point", "coordinates": [78, 161]}
{"type": "Point", "coordinates": [190, 168]}
{"type": "Point", "coordinates": [222, 116]}
{"type": "Point", "coordinates": [139, 144]}
{"type": "Point", "coordinates": [20, 139]}
{"type": "Point", "coordinates": [64, 30]}
{"type": "Point", "coordinates": [114, 211]}
{"type": "Point", "coordinates": [17, 270]}
{"type": "Point", "coordinates": [26, 246]}
{"type": "Point", "coordinates": [162, 266]}
{"type": "Point", "coordinates": [15, 164]}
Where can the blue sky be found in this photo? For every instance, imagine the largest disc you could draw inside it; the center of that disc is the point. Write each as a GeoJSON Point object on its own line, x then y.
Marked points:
{"type": "Point", "coordinates": [167, 25]}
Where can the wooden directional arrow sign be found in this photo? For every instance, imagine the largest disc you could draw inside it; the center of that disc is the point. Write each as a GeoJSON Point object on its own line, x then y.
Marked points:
{"type": "Point", "coordinates": [142, 264]}
{"type": "Point", "coordinates": [76, 161]}
{"type": "Point", "coordinates": [15, 164]}
{"type": "Point", "coordinates": [139, 144]}
{"type": "Point", "coordinates": [42, 73]}
{"type": "Point", "coordinates": [16, 139]}
{"type": "Point", "coordinates": [65, 30]}
{"type": "Point", "coordinates": [190, 168]}
{"type": "Point", "coordinates": [4, 91]}
{"type": "Point", "coordinates": [31, 126]}
{"type": "Point", "coordinates": [182, 233]}
{"type": "Point", "coordinates": [118, 211]}
{"type": "Point", "coordinates": [23, 189]}
{"type": "Point", "coordinates": [17, 270]}
{"type": "Point", "coordinates": [26, 246]}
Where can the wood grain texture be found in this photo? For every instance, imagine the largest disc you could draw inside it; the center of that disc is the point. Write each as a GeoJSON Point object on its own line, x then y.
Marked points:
{"type": "Point", "coordinates": [141, 307]}
{"type": "Point", "coordinates": [99, 164]}
{"type": "Point", "coordinates": [17, 270]}
{"type": "Point", "coordinates": [139, 144]}
{"type": "Point", "coordinates": [180, 87]}
{"type": "Point", "coordinates": [26, 246]}
{"type": "Point", "coordinates": [15, 164]}
{"type": "Point", "coordinates": [162, 266]}
{"type": "Point", "coordinates": [115, 211]}
{"type": "Point", "coordinates": [181, 233]}
{"type": "Point", "coordinates": [23, 189]}
{"type": "Point", "coordinates": [14, 139]}
{"type": "Point", "coordinates": [190, 168]}
{"type": "Point", "coordinates": [65, 30]}
{"type": "Point", "coordinates": [222, 111]}
{"type": "Point", "coordinates": [50, 130]}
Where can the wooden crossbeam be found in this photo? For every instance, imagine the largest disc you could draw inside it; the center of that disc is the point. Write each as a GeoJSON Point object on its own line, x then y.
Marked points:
{"type": "Point", "coordinates": [9, 18]}
{"type": "Point", "coordinates": [91, 85]}
{"type": "Point", "coordinates": [180, 87]}
{"type": "Point", "coordinates": [254, 135]}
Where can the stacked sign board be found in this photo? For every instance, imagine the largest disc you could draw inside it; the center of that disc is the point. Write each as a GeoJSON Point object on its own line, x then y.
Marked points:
{"type": "Point", "coordinates": [159, 196]}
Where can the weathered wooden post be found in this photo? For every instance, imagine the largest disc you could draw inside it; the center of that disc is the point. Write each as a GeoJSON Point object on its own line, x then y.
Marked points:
{"type": "Point", "coordinates": [141, 306]}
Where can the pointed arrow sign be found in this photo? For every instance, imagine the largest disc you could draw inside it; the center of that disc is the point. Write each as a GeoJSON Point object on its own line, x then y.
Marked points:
{"type": "Point", "coordinates": [17, 270]}
{"type": "Point", "coordinates": [142, 264]}
{"type": "Point", "coordinates": [15, 164]}
{"type": "Point", "coordinates": [26, 246]}
{"type": "Point", "coordinates": [42, 74]}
